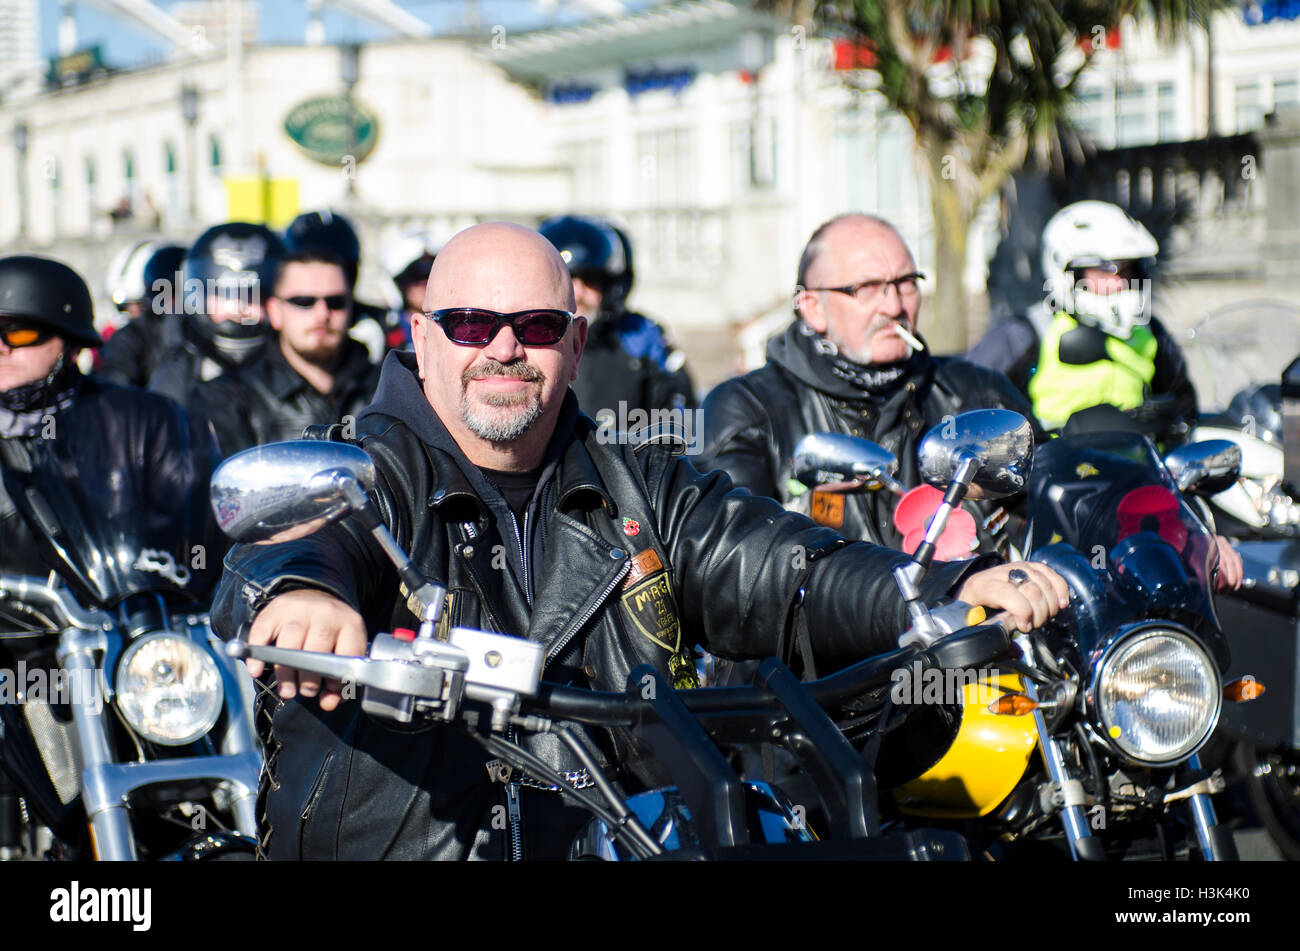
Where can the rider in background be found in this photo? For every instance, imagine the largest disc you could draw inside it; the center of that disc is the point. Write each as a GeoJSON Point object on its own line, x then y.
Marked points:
{"type": "Point", "coordinates": [629, 359]}
{"type": "Point", "coordinates": [141, 284]}
{"type": "Point", "coordinates": [1093, 340]}
{"type": "Point", "coordinates": [221, 326]}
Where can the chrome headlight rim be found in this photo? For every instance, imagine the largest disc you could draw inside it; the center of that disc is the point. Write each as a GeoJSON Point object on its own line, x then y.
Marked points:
{"type": "Point", "coordinates": [1124, 638]}
{"type": "Point", "coordinates": [122, 693]}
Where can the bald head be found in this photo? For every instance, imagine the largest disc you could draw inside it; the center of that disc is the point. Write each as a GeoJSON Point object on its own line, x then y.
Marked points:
{"type": "Point", "coordinates": [854, 229]}
{"type": "Point", "coordinates": [500, 266]}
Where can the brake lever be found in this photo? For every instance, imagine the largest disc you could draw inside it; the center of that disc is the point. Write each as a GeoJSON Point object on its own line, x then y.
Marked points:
{"type": "Point", "coordinates": [415, 680]}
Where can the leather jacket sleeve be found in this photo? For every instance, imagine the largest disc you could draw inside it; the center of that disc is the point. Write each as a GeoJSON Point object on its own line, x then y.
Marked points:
{"type": "Point", "coordinates": [738, 438]}
{"type": "Point", "coordinates": [341, 559]}
{"type": "Point", "coordinates": [740, 560]}
{"type": "Point", "coordinates": [1171, 373]}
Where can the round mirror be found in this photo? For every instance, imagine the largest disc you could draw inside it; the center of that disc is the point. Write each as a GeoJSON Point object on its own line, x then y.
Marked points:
{"type": "Point", "coordinates": [1000, 441]}
{"type": "Point", "coordinates": [834, 462]}
{"type": "Point", "coordinates": [285, 490]}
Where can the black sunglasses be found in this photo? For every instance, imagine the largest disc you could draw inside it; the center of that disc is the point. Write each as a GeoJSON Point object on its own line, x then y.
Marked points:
{"type": "Point", "coordinates": [307, 302]}
{"type": "Point", "coordinates": [474, 326]}
{"type": "Point", "coordinates": [23, 335]}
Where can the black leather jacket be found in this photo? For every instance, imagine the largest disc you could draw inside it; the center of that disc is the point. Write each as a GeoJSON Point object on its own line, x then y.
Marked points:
{"type": "Point", "coordinates": [608, 374]}
{"type": "Point", "coordinates": [127, 454]}
{"type": "Point", "coordinates": [270, 401]}
{"type": "Point", "coordinates": [133, 353]}
{"type": "Point", "coordinates": [349, 787]}
{"type": "Point", "coordinates": [753, 422]}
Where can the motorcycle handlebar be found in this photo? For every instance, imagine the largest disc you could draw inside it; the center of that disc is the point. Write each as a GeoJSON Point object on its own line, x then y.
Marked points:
{"type": "Point", "coordinates": [972, 646]}
{"type": "Point", "coordinates": [55, 599]}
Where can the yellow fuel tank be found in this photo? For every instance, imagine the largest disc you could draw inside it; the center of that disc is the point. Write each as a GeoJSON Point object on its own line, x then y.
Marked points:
{"type": "Point", "coordinates": [988, 756]}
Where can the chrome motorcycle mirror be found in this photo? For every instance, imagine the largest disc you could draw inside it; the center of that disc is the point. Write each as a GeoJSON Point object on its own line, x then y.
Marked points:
{"type": "Point", "coordinates": [995, 446]}
{"type": "Point", "coordinates": [1205, 468]}
{"type": "Point", "coordinates": [287, 490]}
{"type": "Point", "coordinates": [835, 462]}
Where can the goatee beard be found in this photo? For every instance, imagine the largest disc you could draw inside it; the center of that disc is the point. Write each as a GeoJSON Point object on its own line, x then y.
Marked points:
{"type": "Point", "coordinates": [501, 427]}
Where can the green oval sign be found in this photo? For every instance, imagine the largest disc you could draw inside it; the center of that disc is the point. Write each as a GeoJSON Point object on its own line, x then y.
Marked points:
{"type": "Point", "coordinates": [330, 127]}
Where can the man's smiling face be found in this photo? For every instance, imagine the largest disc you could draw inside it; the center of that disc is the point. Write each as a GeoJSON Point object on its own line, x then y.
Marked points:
{"type": "Point", "coordinates": [500, 393]}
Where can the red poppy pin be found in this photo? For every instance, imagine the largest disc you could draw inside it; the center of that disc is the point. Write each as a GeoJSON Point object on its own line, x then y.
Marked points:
{"type": "Point", "coordinates": [631, 527]}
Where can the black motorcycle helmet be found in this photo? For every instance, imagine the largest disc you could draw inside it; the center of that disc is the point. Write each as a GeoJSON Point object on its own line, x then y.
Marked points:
{"type": "Point", "coordinates": [328, 232]}
{"type": "Point", "coordinates": [236, 260]}
{"type": "Point", "coordinates": [1258, 410]}
{"type": "Point", "coordinates": [163, 265]}
{"type": "Point", "coordinates": [49, 293]}
{"type": "Point", "coordinates": [595, 252]}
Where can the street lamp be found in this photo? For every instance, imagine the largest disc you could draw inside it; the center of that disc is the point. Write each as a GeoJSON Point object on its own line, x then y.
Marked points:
{"type": "Point", "coordinates": [349, 73]}
{"type": "Point", "coordinates": [20, 146]}
{"type": "Point", "coordinates": [190, 113]}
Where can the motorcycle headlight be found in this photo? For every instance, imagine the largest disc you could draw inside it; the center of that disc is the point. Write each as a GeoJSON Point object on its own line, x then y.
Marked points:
{"type": "Point", "coordinates": [1156, 696]}
{"type": "Point", "coordinates": [168, 689]}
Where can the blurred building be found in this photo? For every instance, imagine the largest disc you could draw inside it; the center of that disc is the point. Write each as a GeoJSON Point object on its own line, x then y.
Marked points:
{"type": "Point", "coordinates": [719, 136]}
{"type": "Point", "coordinates": [20, 35]}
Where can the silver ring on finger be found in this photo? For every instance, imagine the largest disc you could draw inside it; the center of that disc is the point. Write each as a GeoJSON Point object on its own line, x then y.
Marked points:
{"type": "Point", "coordinates": [1017, 576]}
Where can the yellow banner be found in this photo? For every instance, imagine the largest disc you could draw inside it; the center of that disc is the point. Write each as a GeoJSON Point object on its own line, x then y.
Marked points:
{"type": "Point", "coordinates": [269, 201]}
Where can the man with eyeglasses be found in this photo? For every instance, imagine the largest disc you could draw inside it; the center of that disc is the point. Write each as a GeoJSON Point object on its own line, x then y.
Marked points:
{"type": "Point", "coordinates": [853, 362]}
{"type": "Point", "coordinates": [312, 372]}
{"type": "Point", "coordinates": [609, 554]}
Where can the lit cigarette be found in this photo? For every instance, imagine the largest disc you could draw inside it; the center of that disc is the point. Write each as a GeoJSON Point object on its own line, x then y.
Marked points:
{"type": "Point", "coordinates": [907, 335]}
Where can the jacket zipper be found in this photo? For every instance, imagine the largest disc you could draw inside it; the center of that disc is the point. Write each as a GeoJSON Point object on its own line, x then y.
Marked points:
{"type": "Point", "coordinates": [575, 627]}
{"type": "Point", "coordinates": [513, 811]}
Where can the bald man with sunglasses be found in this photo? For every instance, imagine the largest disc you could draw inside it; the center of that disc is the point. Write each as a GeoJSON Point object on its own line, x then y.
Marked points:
{"type": "Point", "coordinates": [610, 554]}
{"type": "Point", "coordinates": [313, 372]}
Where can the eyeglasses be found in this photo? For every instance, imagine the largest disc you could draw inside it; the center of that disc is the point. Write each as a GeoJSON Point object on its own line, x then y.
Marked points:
{"type": "Point", "coordinates": [907, 285]}
{"type": "Point", "coordinates": [23, 335]}
{"type": "Point", "coordinates": [474, 326]}
{"type": "Point", "coordinates": [307, 302]}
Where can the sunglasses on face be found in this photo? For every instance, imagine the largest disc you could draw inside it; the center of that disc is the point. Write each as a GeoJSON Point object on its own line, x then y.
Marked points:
{"type": "Point", "coordinates": [474, 326]}
{"type": "Point", "coordinates": [307, 302]}
{"type": "Point", "coordinates": [23, 335]}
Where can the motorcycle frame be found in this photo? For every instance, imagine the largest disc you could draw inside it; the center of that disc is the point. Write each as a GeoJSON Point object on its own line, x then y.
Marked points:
{"type": "Point", "coordinates": [89, 640]}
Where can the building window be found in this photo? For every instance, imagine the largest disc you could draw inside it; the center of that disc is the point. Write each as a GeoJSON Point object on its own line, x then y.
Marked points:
{"type": "Point", "coordinates": [90, 187]}
{"type": "Point", "coordinates": [587, 160]}
{"type": "Point", "coordinates": [1166, 114]}
{"type": "Point", "coordinates": [1286, 93]}
{"type": "Point", "coordinates": [1091, 118]}
{"type": "Point", "coordinates": [1250, 112]}
{"type": "Point", "coordinates": [214, 154]}
{"type": "Point", "coordinates": [1133, 125]}
{"type": "Point", "coordinates": [666, 168]}
{"type": "Point", "coordinates": [169, 158]}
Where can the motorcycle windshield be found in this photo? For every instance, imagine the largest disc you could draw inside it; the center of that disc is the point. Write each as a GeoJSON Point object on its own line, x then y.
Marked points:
{"type": "Point", "coordinates": [102, 528]}
{"type": "Point", "coordinates": [1111, 497]}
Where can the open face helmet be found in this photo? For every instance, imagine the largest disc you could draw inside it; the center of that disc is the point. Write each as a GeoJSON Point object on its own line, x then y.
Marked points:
{"type": "Point", "coordinates": [1097, 234]}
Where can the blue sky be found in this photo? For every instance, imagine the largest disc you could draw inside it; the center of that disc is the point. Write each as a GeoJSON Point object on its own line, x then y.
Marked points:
{"type": "Point", "coordinates": [283, 21]}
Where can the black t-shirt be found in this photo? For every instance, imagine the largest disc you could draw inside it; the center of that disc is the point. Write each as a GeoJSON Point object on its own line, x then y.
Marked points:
{"type": "Point", "coordinates": [516, 487]}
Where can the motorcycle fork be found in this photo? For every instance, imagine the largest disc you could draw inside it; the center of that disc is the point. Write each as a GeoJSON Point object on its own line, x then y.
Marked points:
{"type": "Point", "coordinates": [1083, 845]}
{"type": "Point", "coordinates": [110, 822]}
{"type": "Point", "coordinates": [1216, 842]}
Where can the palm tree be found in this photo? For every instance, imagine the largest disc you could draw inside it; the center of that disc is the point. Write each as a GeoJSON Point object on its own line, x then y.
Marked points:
{"type": "Point", "coordinates": [985, 85]}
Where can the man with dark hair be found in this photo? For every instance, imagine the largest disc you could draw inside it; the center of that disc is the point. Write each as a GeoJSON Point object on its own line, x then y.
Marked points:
{"type": "Point", "coordinates": [852, 362]}
{"type": "Point", "coordinates": [313, 372]}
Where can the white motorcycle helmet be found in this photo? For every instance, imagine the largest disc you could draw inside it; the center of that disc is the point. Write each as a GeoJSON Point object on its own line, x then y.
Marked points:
{"type": "Point", "coordinates": [402, 256]}
{"type": "Point", "coordinates": [125, 282]}
{"type": "Point", "coordinates": [1097, 234]}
